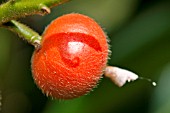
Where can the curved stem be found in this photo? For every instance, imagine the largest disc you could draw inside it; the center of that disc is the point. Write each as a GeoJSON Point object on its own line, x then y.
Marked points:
{"type": "Point", "coordinates": [25, 32]}
{"type": "Point", "coordinates": [14, 9]}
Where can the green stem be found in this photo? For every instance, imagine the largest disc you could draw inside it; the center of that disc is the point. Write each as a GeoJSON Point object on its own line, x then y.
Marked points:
{"type": "Point", "coordinates": [14, 9]}
{"type": "Point", "coordinates": [25, 32]}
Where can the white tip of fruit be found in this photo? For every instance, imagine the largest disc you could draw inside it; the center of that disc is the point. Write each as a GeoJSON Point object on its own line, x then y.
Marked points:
{"type": "Point", "coordinates": [119, 76]}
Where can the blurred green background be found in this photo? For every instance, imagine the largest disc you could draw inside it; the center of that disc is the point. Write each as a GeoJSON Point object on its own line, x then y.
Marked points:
{"type": "Point", "coordinates": [139, 33]}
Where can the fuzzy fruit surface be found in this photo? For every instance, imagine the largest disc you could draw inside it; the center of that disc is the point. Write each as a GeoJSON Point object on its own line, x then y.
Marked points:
{"type": "Point", "coordinates": [72, 57]}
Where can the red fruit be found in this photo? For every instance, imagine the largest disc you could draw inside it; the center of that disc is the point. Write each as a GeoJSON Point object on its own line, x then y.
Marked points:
{"type": "Point", "coordinates": [72, 57]}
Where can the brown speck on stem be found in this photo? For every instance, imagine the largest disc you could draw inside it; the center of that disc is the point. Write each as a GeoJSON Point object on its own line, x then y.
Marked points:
{"type": "Point", "coordinates": [45, 9]}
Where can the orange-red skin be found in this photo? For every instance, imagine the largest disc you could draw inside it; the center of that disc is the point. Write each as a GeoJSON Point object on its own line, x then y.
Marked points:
{"type": "Point", "coordinates": [72, 57]}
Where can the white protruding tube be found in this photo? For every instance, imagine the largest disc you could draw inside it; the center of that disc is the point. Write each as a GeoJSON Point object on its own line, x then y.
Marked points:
{"type": "Point", "coordinates": [119, 76]}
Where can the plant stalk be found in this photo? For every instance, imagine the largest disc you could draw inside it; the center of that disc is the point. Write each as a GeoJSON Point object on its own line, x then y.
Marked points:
{"type": "Point", "coordinates": [25, 33]}
{"type": "Point", "coordinates": [14, 9]}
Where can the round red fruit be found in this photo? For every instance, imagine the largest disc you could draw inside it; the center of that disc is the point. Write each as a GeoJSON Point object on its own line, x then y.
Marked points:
{"type": "Point", "coordinates": [72, 57]}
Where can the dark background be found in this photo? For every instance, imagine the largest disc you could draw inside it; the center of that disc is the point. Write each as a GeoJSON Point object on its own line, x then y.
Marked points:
{"type": "Point", "coordinates": [139, 34]}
